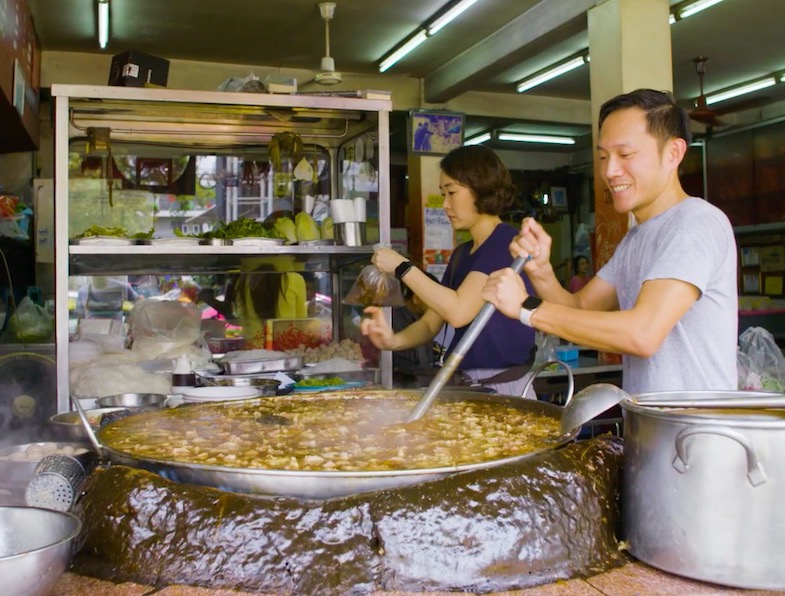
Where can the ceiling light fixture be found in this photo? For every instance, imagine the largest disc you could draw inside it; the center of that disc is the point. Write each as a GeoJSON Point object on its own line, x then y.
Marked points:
{"type": "Point", "coordinates": [529, 138]}
{"type": "Point", "coordinates": [683, 11]}
{"type": "Point", "coordinates": [694, 8]}
{"type": "Point", "coordinates": [448, 16]}
{"type": "Point", "coordinates": [476, 140]}
{"type": "Point", "coordinates": [407, 47]}
{"type": "Point", "coordinates": [424, 32]}
{"type": "Point", "coordinates": [552, 72]}
{"type": "Point", "coordinates": [740, 90]}
{"type": "Point", "coordinates": [103, 23]}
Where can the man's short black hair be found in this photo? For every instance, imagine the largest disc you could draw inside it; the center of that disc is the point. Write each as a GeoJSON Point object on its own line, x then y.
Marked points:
{"type": "Point", "coordinates": [664, 119]}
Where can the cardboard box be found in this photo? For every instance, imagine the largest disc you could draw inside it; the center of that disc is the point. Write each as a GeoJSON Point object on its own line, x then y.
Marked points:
{"type": "Point", "coordinates": [137, 69]}
{"type": "Point", "coordinates": [288, 334]}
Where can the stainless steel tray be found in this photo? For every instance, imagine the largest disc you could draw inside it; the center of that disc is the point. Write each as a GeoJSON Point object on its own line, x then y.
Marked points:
{"type": "Point", "coordinates": [248, 367]}
{"type": "Point", "coordinates": [372, 375]}
{"type": "Point", "coordinates": [263, 381]}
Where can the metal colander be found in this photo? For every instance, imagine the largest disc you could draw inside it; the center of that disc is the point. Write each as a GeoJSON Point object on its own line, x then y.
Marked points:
{"type": "Point", "coordinates": [55, 481]}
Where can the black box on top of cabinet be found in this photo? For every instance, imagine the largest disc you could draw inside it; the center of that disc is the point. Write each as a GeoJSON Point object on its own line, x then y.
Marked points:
{"type": "Point", "coordinates": [137, 69]}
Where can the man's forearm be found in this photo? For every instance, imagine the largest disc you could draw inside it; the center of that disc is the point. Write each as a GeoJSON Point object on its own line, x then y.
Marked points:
{"type": "Point", "coordinates": [548, 288]}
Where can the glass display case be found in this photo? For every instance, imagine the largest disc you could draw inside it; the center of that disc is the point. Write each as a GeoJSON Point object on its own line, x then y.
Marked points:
{"type": "Point", "coordinates": [149, 182]}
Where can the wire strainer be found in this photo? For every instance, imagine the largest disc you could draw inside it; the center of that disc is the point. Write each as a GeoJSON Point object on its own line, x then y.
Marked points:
{"type": "Point", "coordinates": [56, 480]}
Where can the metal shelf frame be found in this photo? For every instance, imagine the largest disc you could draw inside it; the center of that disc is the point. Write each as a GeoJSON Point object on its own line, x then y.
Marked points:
{"type": "Point", "coordinates": [202, 119]}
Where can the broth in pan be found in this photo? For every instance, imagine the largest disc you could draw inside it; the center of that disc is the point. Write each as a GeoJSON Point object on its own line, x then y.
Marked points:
{"type": "Point", "coordinates": [347, 434]}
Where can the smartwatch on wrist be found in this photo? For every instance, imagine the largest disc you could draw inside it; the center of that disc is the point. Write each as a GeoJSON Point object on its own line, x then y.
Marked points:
{"type": "Point", "coordinates": [403, 269]}
{"type": "Point", "coordinates": [527, 309]}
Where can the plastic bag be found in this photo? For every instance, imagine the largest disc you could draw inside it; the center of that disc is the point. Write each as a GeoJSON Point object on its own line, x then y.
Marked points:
{"type": "Point", "coordinates": [29, 323]}
{"type": "Point", "coordinates": [250, 83]}
{"type": "Point", "coordinates": [761, 365]}
{"type": "Point", "coordinates": [164, 327]}
{"type": "Point", "coordinates": [546, 347]}
{"type": "Point", "coordinates": [374, 287]}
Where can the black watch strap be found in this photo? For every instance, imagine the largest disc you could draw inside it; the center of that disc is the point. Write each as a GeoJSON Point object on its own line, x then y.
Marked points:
{"type": "Point", "coordinates": [531, 302]}
{"type": "Point", "coordinates": [527, 309]}
{"type": "Point", "coordinates": [403, 269]}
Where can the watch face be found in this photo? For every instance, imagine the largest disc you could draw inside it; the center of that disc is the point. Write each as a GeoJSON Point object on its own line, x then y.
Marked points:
{"type": "Point", "coordinates": [531, 302]}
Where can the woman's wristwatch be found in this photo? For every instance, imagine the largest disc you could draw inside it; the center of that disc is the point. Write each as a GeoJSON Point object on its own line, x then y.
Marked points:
{"type": "Point", "coordinates": [403, 269]}
{"type": "Point", "coordinates": [527, 309]}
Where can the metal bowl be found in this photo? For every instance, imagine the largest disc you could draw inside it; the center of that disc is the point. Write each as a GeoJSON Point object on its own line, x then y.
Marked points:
{"type": "Point", "coordinates": [132, 400]}
{"type": "Point", "coordinates": [68, 424]}
{"type": "Point", "coordinates": [215, 242]}
{"type": "Point", "coordinates": [36, 546]}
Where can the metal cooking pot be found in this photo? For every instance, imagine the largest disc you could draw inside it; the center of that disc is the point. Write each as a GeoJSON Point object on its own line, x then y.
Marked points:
{"type": "Point", "coordinates": [702, 495]}
{"type": "Point", "coordinates": [325, 484]}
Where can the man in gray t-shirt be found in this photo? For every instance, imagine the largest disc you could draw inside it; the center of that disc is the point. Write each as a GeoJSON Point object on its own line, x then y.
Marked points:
{"type": "Point", "coordinates": [667, 299]}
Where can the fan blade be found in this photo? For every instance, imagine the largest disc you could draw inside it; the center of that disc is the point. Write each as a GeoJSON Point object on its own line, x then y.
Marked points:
{"type": "Point", "coordinates": [707, 117]}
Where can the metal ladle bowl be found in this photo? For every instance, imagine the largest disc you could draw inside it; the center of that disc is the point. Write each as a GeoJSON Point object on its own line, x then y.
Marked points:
{"type": "Point", "coordinates": [589, 403]}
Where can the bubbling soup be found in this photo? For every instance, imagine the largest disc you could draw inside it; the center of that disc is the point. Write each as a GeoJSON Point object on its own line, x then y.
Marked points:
{"type": "Point", "coordinates": [359, 433]}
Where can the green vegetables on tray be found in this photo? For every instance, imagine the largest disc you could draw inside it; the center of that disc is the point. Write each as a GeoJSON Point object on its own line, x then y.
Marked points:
{"type": "Point", "coordinates": [326, 382]}
{"type": "Point", "coordinates": [118, 232]}
{"type": "Point", "coordinates": [244, 227]}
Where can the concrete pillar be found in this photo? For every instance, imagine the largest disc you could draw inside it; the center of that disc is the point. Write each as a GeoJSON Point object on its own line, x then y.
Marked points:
{"type": "Point", "coordinates": [630, 48]}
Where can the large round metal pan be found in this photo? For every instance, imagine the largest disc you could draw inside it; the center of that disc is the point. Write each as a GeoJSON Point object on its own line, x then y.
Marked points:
{"type": "Point", "coordinates": [327, 484]}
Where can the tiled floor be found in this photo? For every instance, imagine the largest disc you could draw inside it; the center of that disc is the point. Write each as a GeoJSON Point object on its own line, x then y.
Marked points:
{"type": "Point", "coordinates": [633, 579]}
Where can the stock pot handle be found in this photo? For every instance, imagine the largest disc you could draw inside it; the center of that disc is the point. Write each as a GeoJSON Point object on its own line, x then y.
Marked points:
{"type": "Point", "coordinates": [538, 369]}
{"type": "Point", "coordinates": [755, 472]}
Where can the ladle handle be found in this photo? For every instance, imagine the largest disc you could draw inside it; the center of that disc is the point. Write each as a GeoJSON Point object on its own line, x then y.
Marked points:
{"type": "Point", "coordinates": [86, 423]}
{"type": "Point", "coordinates": [541, 368]}
{"type": "Point", "coordinates": [454, 359]}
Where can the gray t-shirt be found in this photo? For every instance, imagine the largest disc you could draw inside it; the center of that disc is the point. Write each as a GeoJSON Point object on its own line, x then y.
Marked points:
{"type": "Point", "coordinates": [693, 242]}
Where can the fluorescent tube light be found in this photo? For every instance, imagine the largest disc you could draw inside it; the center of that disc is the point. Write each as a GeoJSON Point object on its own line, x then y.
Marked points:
{"type": "Point", "coordinates": [741, 90]}
{"type": "Point", "coordinates": [671, 19]}
{"type": "Point", "coordinates": [407, 47]}
{"type": "Point", "coordinates": [103, 23]}
{"type": "Point", "coordinates": [449, 16]}
{"type": "Point", "coordinates": [551, 73]}
{"type": "Point", "coordinates": [481, 138]}
{"type": "Point", "coordinates": [696, 7]}
{"type": "Point", "coordinates": [527, 138]}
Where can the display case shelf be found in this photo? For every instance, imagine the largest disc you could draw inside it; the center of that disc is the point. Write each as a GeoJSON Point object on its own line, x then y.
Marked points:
{"type": "Point", "coordinates": [138, 260]}
{"type": "Point", "coordinates": [212, 123]}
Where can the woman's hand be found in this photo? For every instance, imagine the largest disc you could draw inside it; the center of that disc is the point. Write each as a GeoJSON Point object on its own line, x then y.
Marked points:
{"type": "Point", "coordinates": [377, 328]}
{"type": "Point", "coordinates": [505, 290]}
{"type": "Point", "coordinates": [386, 259]}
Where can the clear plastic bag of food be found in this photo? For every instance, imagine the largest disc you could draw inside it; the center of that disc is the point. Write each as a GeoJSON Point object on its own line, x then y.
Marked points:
{"type": "Point", "coordinates": [29, 323]}
{"type": "Point", "coordinates": [761, 365]}
{"type": "Point", "coordinates": [374, 287]}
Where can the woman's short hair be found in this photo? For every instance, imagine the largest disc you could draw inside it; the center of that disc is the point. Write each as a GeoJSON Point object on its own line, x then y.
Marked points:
{"type": "Point", "coordinates": [481, 170]}
{"type": "Point", "coordinates": [664, 118]}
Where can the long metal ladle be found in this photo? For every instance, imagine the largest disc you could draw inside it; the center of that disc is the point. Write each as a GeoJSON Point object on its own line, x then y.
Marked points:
{"type": "Point", "coordinates": [595, 399]}
{"type": "Point", "coordinates": [455, 358]}
{"type": "Point", "coordinates": [99, 449]}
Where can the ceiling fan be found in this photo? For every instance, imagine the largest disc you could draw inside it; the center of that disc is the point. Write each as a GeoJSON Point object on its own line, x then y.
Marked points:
{"type": "Point", "coordinates": [702, 113]}
{"type": "Point", "coordinates": [328, 74]}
